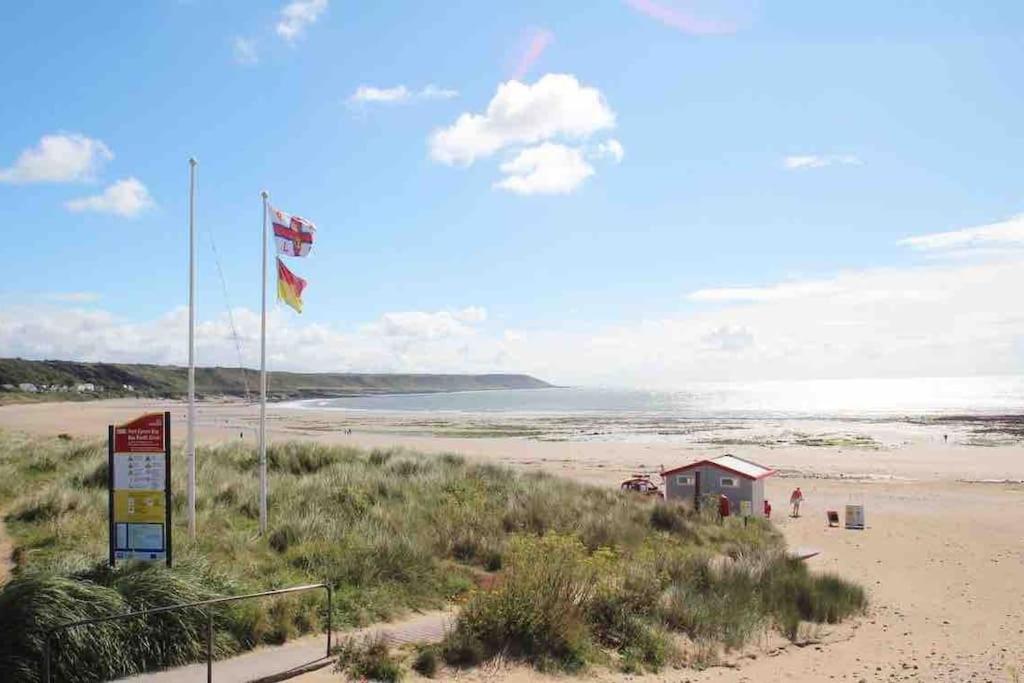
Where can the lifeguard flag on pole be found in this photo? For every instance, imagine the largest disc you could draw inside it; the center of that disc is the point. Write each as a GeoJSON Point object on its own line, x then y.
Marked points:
{"type": "Point", "coordinates": [289, 286]}
{"type": "Point", "coordinates": [293, 235]}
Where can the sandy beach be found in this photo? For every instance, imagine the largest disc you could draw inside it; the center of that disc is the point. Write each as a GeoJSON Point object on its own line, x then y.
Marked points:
{"type": "Point", "coordinates": [942, 557]}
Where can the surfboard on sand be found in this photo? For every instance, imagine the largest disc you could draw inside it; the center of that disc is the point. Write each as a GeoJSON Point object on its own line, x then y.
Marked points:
{"type": "Point", "coordinates": [803, 552]}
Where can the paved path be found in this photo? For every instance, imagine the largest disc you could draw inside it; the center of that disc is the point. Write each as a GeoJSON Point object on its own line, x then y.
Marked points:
{"type": "Point", "coordinates": [6, 551]}
{"type": "Point", "coordinates": [300, 653]}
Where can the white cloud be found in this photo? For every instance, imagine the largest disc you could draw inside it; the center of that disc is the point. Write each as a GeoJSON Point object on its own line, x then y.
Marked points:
{"type": "Point", "coordinates": [820, 161]}
{"type": "Point", "coordinates": [777, 292]}
{"type": "Point", "coordinates": [58, 158]}
{"type": "Point", "coordinates": [128, 198]}
{"type": "Point", "coordinates": [433, 92]}
{"type": "Point", "coordinates": [728, 338]}
{"type": "Point", "coordinates": [939, 319]}
{"type": "Point", "coordinates": [244, 51]}
{"type": "Point", "coordinates": [399, 94]}
{"type": "Point", "coordinates": [944, 319]}
{"type": "Point", "coordinates": [1008, 233]}
{"type": "Point", "coordinates": [610, 149]}
{"type": "Point", "coordinates": [472, 314]}
{"type": "Point", "coordinates": [555, 106]}
{"type": "Point", "coordinates": [548, 168]}
{"type": "Point", "coordinates": [420, 325]}
{"type": "Point", "coordinates": [297, 16]}
{"type": "Point", "coordinates": [369, 93]}
{"type": "Point", "coordinates": [74, 297]}
{"type": "Point", "coordinates": [443, 341]}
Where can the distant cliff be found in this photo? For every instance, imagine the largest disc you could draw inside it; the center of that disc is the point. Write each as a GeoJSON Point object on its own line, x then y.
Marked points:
{"type": "Point", "coordinates": [56, 377]}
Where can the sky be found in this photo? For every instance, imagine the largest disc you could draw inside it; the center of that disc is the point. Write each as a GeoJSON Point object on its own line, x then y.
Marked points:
{"type": "Point", "coordinates": [645, 193]}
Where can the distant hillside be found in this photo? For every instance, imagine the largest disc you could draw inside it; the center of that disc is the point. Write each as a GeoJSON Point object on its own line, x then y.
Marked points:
{"type": "Point", "coordinates": [172, 381]}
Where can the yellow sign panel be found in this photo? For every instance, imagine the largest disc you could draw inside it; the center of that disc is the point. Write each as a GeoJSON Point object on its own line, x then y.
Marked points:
{"type": "Point", "coordinates": [138, 506]}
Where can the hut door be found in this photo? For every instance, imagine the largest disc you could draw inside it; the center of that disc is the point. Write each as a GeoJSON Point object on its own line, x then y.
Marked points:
{"type": "Point", "coordinates": [696, 490]}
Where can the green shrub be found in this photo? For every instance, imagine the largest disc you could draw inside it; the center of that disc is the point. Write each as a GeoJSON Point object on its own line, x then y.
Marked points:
{"type": "Point", "coordinates": [370, 659]}
{"type": "Point", "coordinates": [648, 649]}
{"type": "Point", "coordinates": [427, 661]}
{"type": "Point", "coordinates": [792, 594]}
{"type": "Point", "coordinates": [539, 612]}
{"type": "Point", "coordinates": [670, 517]}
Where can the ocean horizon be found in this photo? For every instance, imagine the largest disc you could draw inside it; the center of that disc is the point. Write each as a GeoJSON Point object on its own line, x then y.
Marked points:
{"type": "Point", "coordinates": [837, 398]}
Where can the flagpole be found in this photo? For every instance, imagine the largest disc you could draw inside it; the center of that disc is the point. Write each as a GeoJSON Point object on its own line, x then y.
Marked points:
{"type": "Point", "coordinates": [191, 445]}
{"type": "Point", "coordinates": [263, 379]}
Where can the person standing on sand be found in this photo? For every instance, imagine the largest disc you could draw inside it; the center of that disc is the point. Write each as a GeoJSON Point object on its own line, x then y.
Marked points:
{"type": "Point", "coordinates": [795, 499]}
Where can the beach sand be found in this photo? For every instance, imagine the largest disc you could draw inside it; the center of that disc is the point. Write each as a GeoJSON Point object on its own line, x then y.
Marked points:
{"type": "Point", "coordinates": [942, 557]}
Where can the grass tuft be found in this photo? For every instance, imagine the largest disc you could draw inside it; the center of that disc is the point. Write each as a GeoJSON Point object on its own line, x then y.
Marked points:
{"type": "Point", "coordinates": [370, 659]}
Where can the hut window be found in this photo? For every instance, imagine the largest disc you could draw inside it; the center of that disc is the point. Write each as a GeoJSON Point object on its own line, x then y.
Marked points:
{"type": "Point", "coordinates": [728, 481]}
{"type": "Point", "coordinates": [684, 480]}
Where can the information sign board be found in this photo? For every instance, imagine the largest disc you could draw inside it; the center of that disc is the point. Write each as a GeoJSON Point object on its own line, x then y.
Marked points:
{"type": "Point", "coordinates": [139, 466]}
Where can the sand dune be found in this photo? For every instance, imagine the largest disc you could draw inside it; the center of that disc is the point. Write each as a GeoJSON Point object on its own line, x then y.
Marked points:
{"type": "Point", "coordinates": [942, 557]}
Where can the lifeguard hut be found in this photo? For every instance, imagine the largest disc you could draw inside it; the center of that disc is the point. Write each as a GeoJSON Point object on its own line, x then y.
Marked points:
{"type": "Point", "coordinates": [739, 480]}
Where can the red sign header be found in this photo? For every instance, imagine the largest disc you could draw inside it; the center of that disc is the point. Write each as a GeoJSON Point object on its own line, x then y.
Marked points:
{"type": "Point", "coordinates": [142, 435]}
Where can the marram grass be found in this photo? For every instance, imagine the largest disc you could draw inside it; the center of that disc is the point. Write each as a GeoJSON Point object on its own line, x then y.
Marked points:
{"type": "Point", "coordinates": [587, 574]}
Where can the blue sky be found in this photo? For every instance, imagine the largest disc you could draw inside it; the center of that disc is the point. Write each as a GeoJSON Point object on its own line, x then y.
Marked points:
{"type": "Point", "coordinates": [773, 157]}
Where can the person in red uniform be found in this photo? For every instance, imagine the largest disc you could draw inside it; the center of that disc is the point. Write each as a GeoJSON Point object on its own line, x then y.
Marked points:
{"type": "Point", "coordinates": [723, 506]}
{"type": "Point", "coordinates": [767, 509]}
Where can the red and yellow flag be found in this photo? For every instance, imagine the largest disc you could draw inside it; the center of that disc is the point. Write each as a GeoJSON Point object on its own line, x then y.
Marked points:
{"type": "Point", "coordinates": [289, 287]}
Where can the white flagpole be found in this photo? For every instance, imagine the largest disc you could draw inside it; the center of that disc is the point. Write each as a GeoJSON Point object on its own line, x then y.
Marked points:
{"type": "Point", "coordinates": [263, 379]}
{"type": "Point", "coordinates": [191, 446]}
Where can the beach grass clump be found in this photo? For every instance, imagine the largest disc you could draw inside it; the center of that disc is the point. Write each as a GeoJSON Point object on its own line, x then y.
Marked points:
{"type": "Point", "coordinates": [369, 660]}
{"type": "Point", "coordinates": [34, 603]}
{"type": "Point", "coordinates": [561, 606]}
{"type": "Point", "coordinates": [539, 612]}
{"type": "Point", "coordinates": [427, 661]}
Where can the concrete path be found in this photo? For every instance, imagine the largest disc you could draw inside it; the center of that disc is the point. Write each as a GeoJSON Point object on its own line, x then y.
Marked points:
{"type": "Point", "coordinates": [6, 552]}
{"type": "Point", "coordinates": [301, 654]}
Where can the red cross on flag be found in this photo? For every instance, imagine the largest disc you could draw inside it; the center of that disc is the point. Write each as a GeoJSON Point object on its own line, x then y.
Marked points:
{"type": "Point", "coordinates": [293, 235]}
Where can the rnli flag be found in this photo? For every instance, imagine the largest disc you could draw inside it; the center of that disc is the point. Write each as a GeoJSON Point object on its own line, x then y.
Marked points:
{"type": "Point", "coordinates": [289, 287]}
{"type": "Point", "coordinates": [293, 235]}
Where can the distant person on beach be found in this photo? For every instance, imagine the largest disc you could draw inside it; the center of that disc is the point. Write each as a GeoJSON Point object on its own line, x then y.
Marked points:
{"type": "Point", "coordinates": [767, 509]}
{"type": "Point", "coordinates": [795, 499]}
{"type": "Point", "coordinates": [945, 438]}
{"type": "Point", "coordinates": [723, 507]}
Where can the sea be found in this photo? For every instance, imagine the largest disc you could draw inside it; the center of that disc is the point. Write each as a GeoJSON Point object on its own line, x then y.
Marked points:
{"type": "Point", "coordinates": [808, 399]}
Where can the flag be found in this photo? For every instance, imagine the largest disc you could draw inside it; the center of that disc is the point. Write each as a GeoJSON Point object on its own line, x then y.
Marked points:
{"type": "Point", "coordinates": [293, 235]}
{"type": "Point", "coordinates": [289, 287]}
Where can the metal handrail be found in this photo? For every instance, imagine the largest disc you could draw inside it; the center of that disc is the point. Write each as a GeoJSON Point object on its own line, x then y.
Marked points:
{"type": "Point", "coordinates": [209, 622]}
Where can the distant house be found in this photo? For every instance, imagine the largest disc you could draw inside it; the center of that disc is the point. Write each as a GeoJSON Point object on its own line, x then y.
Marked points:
{"type": "Point", "coordinates": [740, 480]}
{"type": "Point", "coordinates": [29, 387]}
{"type": "Point", "coordinates": [87, 386]}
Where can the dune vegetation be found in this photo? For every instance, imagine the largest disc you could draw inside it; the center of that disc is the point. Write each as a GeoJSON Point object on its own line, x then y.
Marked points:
{"type": "Point", "coordinates": [575, 575]}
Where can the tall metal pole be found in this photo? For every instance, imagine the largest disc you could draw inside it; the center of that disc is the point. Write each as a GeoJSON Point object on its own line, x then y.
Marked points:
{"type": "Point", "coordinates": [191, 446]}
{"type": "Point", "coordinates": [263, 379]}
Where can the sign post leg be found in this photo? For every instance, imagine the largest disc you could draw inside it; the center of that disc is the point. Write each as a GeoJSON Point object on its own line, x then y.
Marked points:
{"type": "Point", "coordinates": [110, 491]}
